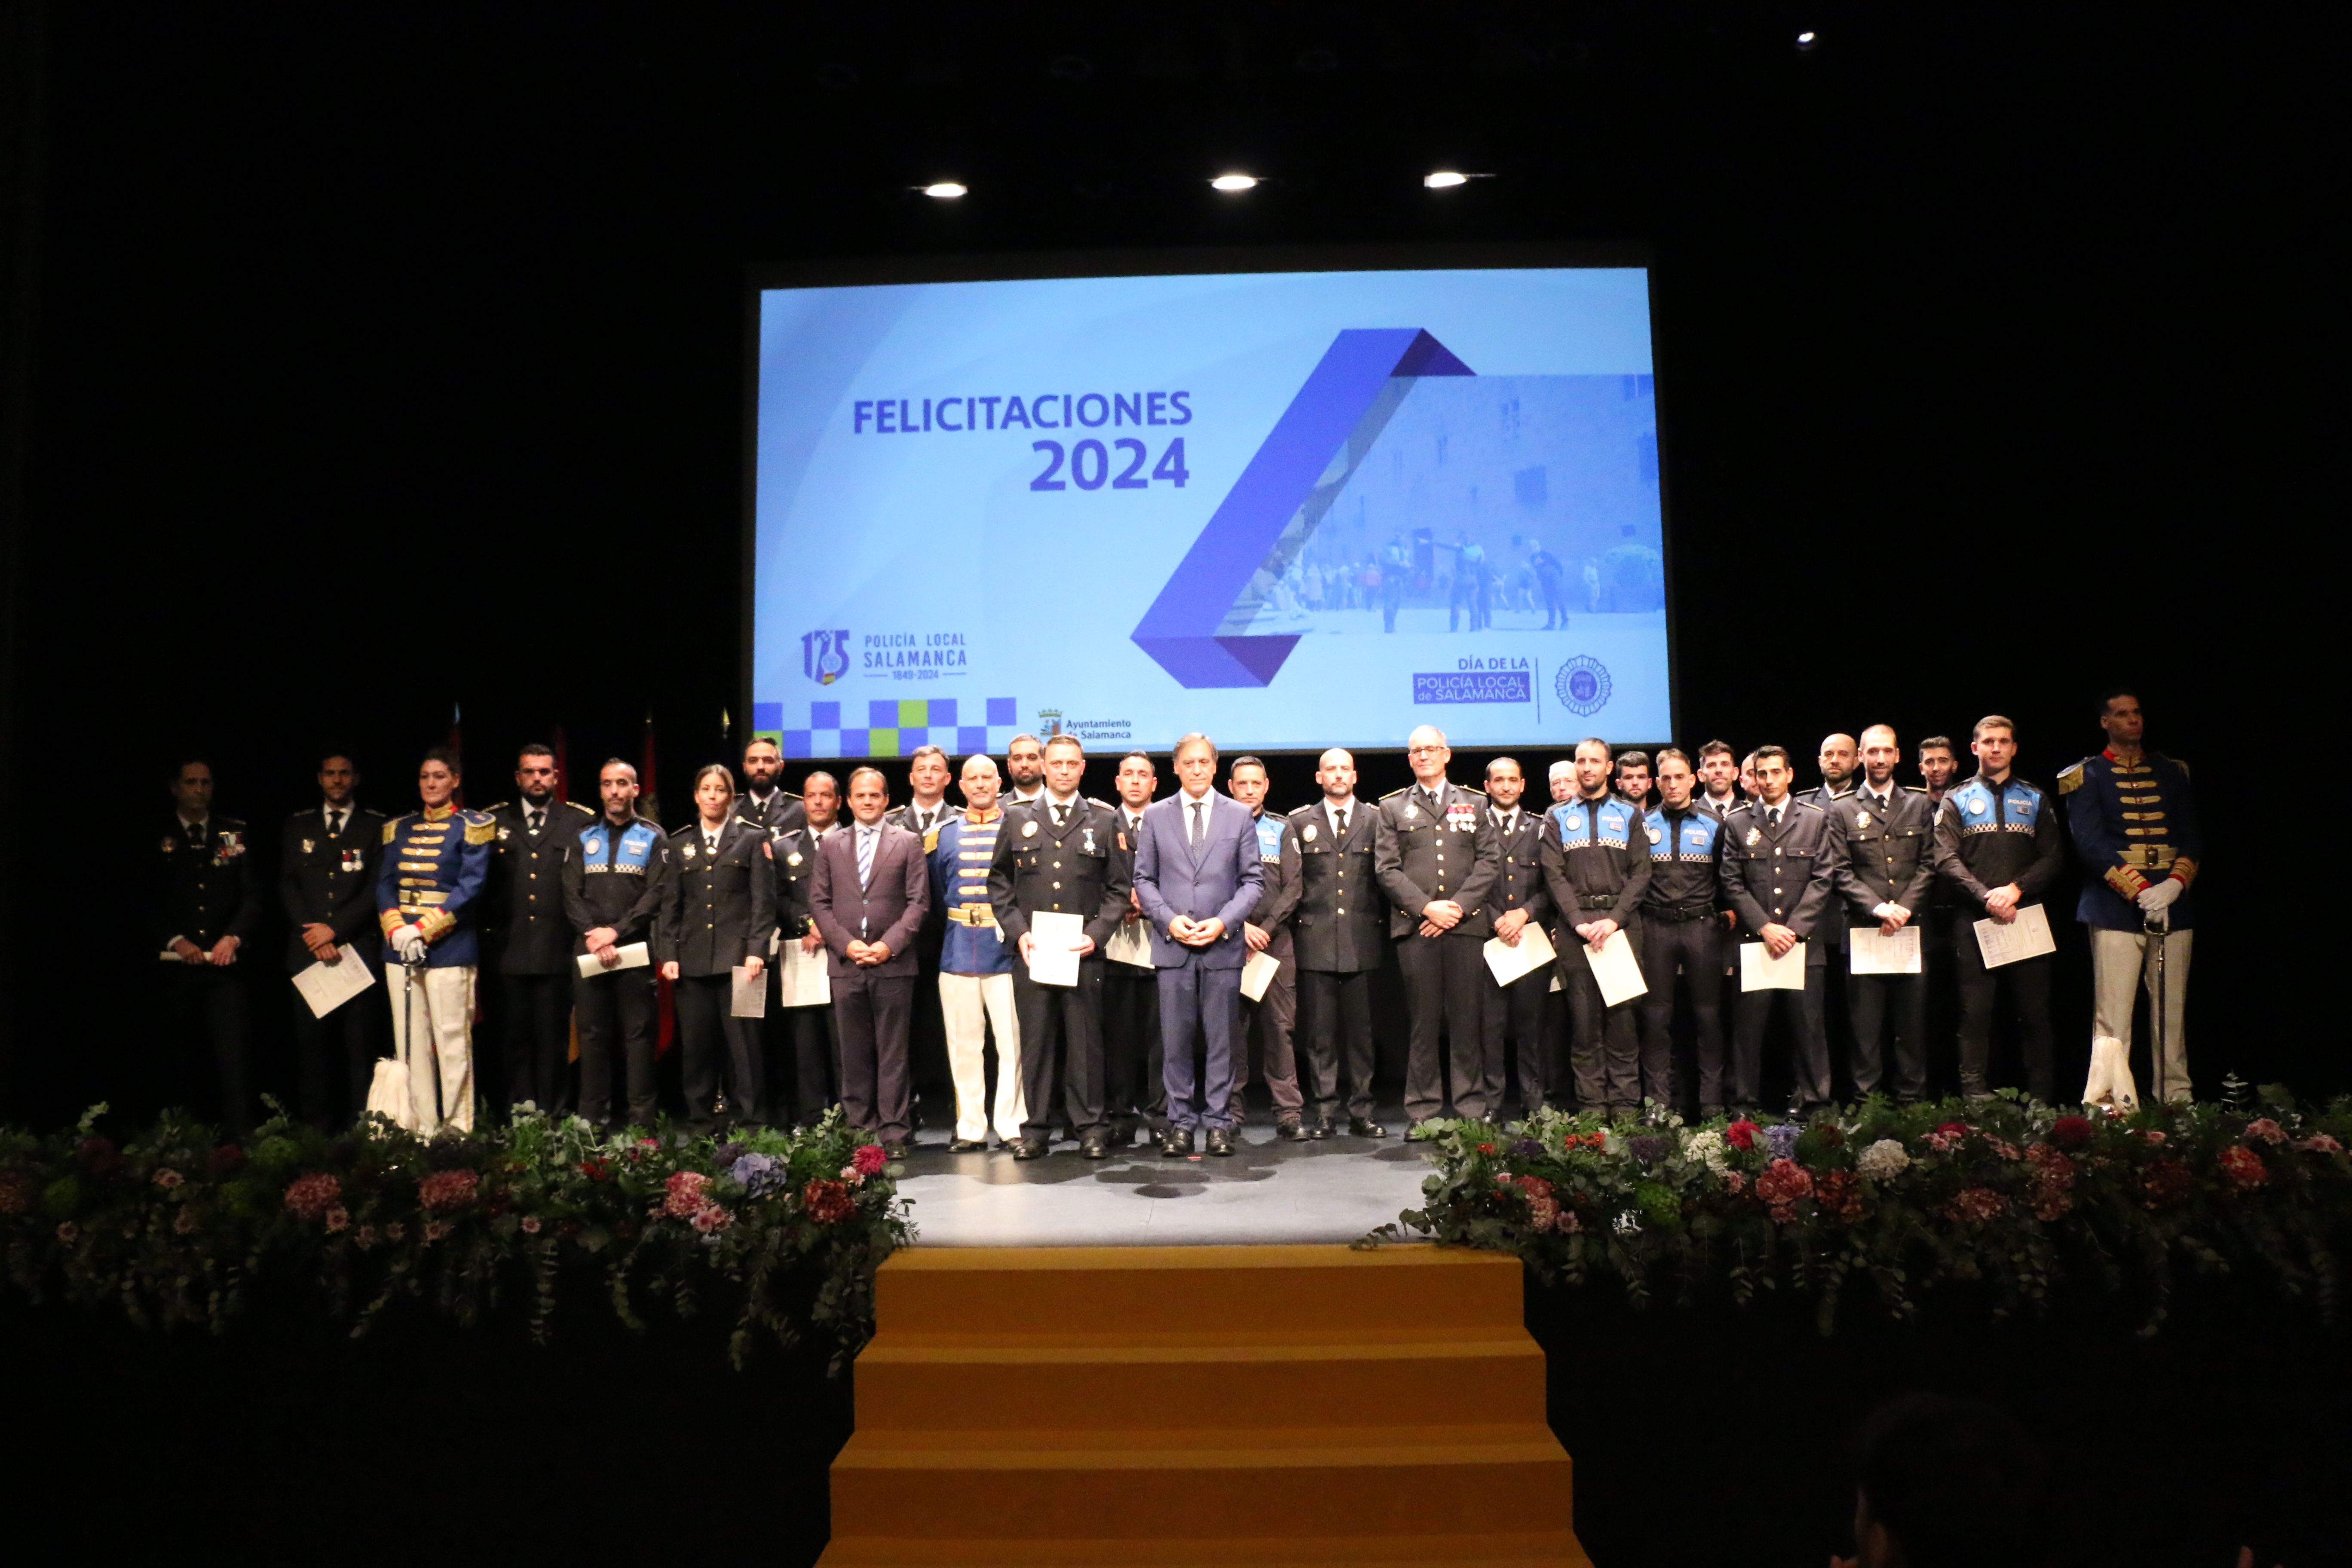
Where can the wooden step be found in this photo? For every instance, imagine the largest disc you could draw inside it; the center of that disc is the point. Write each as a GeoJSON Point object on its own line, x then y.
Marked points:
{"type": "Point", "coordinates": [1511, 1547]}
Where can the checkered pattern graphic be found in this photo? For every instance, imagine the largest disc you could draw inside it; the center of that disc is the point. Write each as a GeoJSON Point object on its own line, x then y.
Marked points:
{"type": "Point", "coordinates": [823, 731]}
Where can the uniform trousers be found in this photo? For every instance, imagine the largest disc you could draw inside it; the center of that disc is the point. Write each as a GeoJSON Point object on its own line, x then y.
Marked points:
{"type": "Point", "coordinates": [970, 1005]}
{"type": "Point", "coordinates": [710, 1034]}
{"type": "Point", "coordinates": [1810, 1064]}
{"type": "Point", "coordinates": [928, 1067]}
{"type": "Point", "coordinates": [535, 1033]}
{"type": "Point", "coordinates": [1692, 952]}
{"type": "Point", "coordinates": [439, 1049]}
{"type": "Point", "coordinates": [2121, 960]}
{"type": "Point", "coordinates": [1873, 1004]}
{"type": "Point", "coordinates": [876, 1016]}
{"type": "Point", "coordinates": [1443, 981]}
{"type": "Point", "coordinates": [1198, 1000]}
{"type": "Point", "coordinates": [334, 1057]}
{"type": "Point", "coordinates": [206, 1066]}
{"type": "Point", "coordinates": [1273, 1022]}
{"type": "Point", "coordinates": [2027, 984]}
{"type": "Point", "coordinates": [811, 1041]}
{"type": "Point", "coordinates": [619, 1013]}
{"type": "Point", "coordinates": [1061, 1051]}
{"type": "Point", "coordinates": [1132, 1070]}
{"type": "Point", "coordinates": [1516, 1013]}
{"type": "Point", "coordinates": [1336, 1008]}
{"type": "Point", "coordinates": [1604, 1047]}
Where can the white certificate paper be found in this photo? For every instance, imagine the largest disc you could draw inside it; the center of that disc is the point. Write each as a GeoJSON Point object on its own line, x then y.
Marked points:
{"type": "Point", "coordinates": [1871, 952]}
{"type": "Point", "coordinates": [633, 956]}
{"type": "Point", "coordinates": [2027, 936]}
{"type": "Point", "coordinates": [1130, 943]}
{"type": "Point", "coordinates": [751, 994]}
{"type": "Point", "coordinates": [327, 987]}
{"type": "Point", "coordinates": [1760, 971]}
{"type": "Point", "coordinates": [1054, 938]}
{"type": "Point", "coordinates": [1615, 969]}
{"type": "Point", "coordinates": [1258, 974]}
{"type": "Point", "coordinates": [803, 983]}
{"type": "Point", "coordinates": [1508, 964]}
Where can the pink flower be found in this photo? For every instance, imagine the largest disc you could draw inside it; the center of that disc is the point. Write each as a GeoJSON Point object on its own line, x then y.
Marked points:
{"type": "Point", "coordinates": [446, 1190]}
{"type": "Point", "coordinates": [2053, 1175]}
{"type": "Point", "coordinates": [396, 1231]}
{"type": "Point", "coordinates": [2320, 1144]}
{"type": "Point", "coordinates": [2268, 1131]}
{"type": "Point", "coordinates": [1543, 1214]}
{"type": "Point", "coordinates": [870, 1159]}
{"type": "Point", "coordinates": [168, 1178]}
{"type": "Point", "coordinates": [1974, 1205]}
{"type": "Point", "coordinates": [531, 1224]}
{"type": "Point", "coordinates": [67, 1231]}
{"type": "Point", "coordinates": [435, 1229]}
{"type": "Point", "coordinates": [710, 1217]}
{"type": "Point", "coordinates": [2000, 1147]}
{"type": "Point", "coordinates": [1783, 1184]}
{"type": "Point", "coordinates": [1942, 1141]}
{"type": "Point", "coordinates": [1537, 1189]}
{"type": "Point", "coordinates": [365, 1236]}
{"type": "Point", "coordinates": [683, 1194]}
{"type": "Point", "coordinates": [827, 1203]}
{"type": "Point", "coordinates": [853, 1175]}
{"type": "Point", "coordinates": [184, 1221]}
{"type": "Point", "coordinates": [312, 1195]}
{"type": "Point", "coordinates": [2152, 1135]}
{"type": "Point", "coordinates": [15, 1192]}
{"type": "Point", "coordinates": [1734, 1182]}
{"type": "Point", "coordinates": [338, 1217]}
{"type": "Point", "coordinates": [2242, 1167]}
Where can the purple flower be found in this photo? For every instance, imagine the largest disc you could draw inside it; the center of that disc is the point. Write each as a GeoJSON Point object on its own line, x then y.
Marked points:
{"type": "Point", "coordinates": [1783, 1139]}
{"type": "Point", "coordinates": [1527, 1149]}
{"type": "Point", "coordinates": [759, 1175]}
{"type": "Point", "coordinates": [1647, 1149]}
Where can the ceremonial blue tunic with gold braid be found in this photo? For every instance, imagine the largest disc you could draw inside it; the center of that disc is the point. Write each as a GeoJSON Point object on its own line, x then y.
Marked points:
{"type": "Point", "coordinates": [2134, 824]}
{"type": "Point", "coordinates": [435, 862]}
{"type": "Point", "coordinates": [960, 851]}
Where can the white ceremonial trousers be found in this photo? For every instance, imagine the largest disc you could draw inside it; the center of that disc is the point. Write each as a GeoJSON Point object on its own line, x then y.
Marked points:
{"type": "Point", "coordinates": [970, 1004]}
{"type": "Point", "coordinates": [442, 1053]}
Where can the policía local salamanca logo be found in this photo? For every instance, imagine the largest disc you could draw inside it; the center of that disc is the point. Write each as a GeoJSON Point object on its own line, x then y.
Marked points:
{"type": "Point", "coordinates": [825, 656]}
{"type": "Point", "coordinates": [1582, 684]}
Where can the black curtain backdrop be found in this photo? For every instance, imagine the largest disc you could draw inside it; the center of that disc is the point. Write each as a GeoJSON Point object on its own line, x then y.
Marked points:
{"type": "Point", "coordinates": [391, 366]}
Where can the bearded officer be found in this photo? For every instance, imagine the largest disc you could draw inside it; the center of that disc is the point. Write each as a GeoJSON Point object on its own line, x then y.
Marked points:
{"type": "Point", "coordinates": [1682, 933]}
{"type": "Point", "coordinates": [435, 863]}
{"type": "Point", "coordinates": [1273, 1018]}
{"type": "Point", "coordinates": [1596, 865]}
{"type": "Point", "coordinates": [1516, 900]}
{"type": "Point", "coordinates": [1882, 876]}
{"type": "Point", "coordinates": [765, 801]}
{"type": "Point", "coordinates": [327, 862]}
{"type": "Point", "coordinates": [614, 879]}
{"type": "Point", "coordinates": [526, 935]}
{"type": "Point", "coordinates": [1339, 937]}
{"type": "Point", "coordinates": [203, 907]}
{"type": "Point", "coordinates": [1778, 870]}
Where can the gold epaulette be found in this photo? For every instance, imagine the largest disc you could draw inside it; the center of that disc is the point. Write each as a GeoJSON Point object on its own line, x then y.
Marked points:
{"type": "Point", "coordinates": [481, 832]}
{"type": "Point", "coordinates": [1103, 803]}
{"type": "Point", "coordinates": [1394, 793]}
{"type": "Point", "coordinates": [2177, 762]}
{"type": "Point", "coordinates": [500, 806]}
{"type": "Point", "coordinates": [391, 829]}
{"type": "Point", "coordinates": [575, 806]}
{"type": "Point", "coordinates": [2072, 778]}
{"type": "Point", "coordinates": [1477, 794]}
{"type": "Point", "coordinates": [930, 839]}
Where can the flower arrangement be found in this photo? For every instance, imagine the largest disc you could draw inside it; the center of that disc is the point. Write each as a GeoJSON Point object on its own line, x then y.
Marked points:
{"type": "Point", "coordinates": [2002, 1195]}
{"type": "Point", "coordinates": [174, 1227]}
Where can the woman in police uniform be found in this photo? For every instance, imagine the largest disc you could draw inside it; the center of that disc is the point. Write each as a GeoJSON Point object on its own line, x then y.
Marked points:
{"type": "Point", "coordinates": [717, 917]}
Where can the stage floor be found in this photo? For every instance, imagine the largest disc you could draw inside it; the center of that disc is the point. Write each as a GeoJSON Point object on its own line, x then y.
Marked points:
{"type": "Point", "coordinates": [1268, 1192]}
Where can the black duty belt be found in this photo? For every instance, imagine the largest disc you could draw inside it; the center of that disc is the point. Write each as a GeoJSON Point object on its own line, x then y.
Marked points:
{"type": "Point", "coordinates": [1596, 900]}
{"type": "Point", "coordinates": [1680, 917]}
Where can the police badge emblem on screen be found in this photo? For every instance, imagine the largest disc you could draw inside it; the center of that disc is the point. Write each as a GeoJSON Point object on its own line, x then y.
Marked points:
{"type": "Point", "coordinates": [1291, 508]}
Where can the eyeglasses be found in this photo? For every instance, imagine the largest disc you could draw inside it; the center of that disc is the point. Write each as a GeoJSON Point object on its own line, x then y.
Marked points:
{"type": "Point", "coordinates": [1422, 751]}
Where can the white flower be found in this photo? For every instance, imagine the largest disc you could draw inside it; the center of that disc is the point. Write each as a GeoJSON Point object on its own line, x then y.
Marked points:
{"type": "Point", "coordinates": [1707, 1146]}
{"type": "Point", "coordinates": [1883, 1160]}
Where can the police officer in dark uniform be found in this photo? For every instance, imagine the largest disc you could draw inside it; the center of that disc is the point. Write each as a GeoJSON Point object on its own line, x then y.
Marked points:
{"type": "Point", "coordinates": [1436, 855]}
{"type": "Point", "coordinates": [327, 861]}
{"type": "Point", "coordinates": [614, 876]}
{"type": "Point", "coordinates": [1133, 1067]}
{"type": "Point", "coordinates": [1516, 900]}
{"type": "Point", "coordinates": [1999, 844]}
{"type": "Point", "coordinates": [1596, 865]}
{"type": "Point", "coordinates": [2134, 817]}
{"type": "Point", "coordinates": [1061, 853]}
{"type": "Point", "coordinates": [1779, 871]}
{"type": "Point", "coordinates": [765, 801]}
{"type": "Point", "coordinates": [1682, 934]}
{"type": "Point", "coordinates": [808, 1037]}
{"type": "Point", "coordinates": [719, 913]}
{"type": "Point", "coordinates": [203, 907]}
{"type": "Point", "coordinates": [1884, 871]}
{"type": "Point", "coordinates": [1273, 1019]}
{"type": "Point", "coordinates": [528, 937]}
{"type": "Point", "coordinates": [1340, 935]}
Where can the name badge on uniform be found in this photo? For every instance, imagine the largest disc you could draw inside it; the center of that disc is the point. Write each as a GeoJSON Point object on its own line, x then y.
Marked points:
{"type": "Point", "coordinates": [1411, 811]}
{"type": "Point", "coordinates": [1029, 829]}
{"type": "Point", "coordinates": [1755, 836]}
{"type": "Point", "coordinates": [689, 851]}
{"type": "Point", "coordinates": [1308, 833]}
{"type": "Point", "coordinates": [1862, 819]}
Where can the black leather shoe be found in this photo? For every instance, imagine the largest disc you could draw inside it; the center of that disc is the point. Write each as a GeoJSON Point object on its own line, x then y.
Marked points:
{"type": "Point", "coordinates": [895, 1150]}
{"type": "Point", "coordinates": [1709, 1113]}
{"type": "Point", "coordinates": [1219, 1140]}
{"type": "Point", "coordinates": [1031, 1149]}
{"type": "Point", "coordinates": [1321, 1130]}
{"type": "Point", "coordinates": [968, 1146]}
{"type": "Point", "coordinates": [1094, 1146]}
{"type": "Point", "coordinates": [1177, 1144]}
{"type": "Point", "coordinates": [1365, 1127]}
{"type": "Point", "coordinates": [1291, 1132]}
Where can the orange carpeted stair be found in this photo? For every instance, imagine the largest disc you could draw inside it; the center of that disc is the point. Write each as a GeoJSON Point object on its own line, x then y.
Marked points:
{"type": "Point", "coordinates": [1201, 1404]}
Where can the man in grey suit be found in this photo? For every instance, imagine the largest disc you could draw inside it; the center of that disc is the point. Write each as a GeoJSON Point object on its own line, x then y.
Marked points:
{"type": "Point", "coordinates": [868, 896]}
{"type": "Point", "coordinates": [1198, 875]}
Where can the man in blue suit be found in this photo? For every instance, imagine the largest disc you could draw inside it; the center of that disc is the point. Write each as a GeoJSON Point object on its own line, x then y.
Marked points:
{"type": "Point", "coordinates": [1198, 875]}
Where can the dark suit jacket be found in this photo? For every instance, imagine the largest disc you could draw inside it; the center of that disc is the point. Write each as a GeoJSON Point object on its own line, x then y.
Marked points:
{"type": "Point", "coordinates": [525, 927]}
{"type": "Point", "coordinates": [890, 907]}
{"type": "Point", "coordinates": [202, 893]}
{"type": "Point", "coordinates": [1785, 875]}
{"type": "Point", "coordinates": [1888, 859]}
{"type": "Point", "coordinates": [1341, 920]}
{"type": "Point", "coordinates": [784, 813]}
{"type": "Point", "coordinates": [1221, 879]}
{"type": "Point", "coordinates": [1518, 881]}
{"type": "Point", "coordinates": [1421, 856]}
{"type": "Point", "coordinates": [330, 882]}
{"type": "Point", "coordinates": [717, 910]}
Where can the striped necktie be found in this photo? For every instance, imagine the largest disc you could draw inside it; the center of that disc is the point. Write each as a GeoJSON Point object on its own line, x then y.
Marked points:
{"type": "Point", "coordinates": [865, 856]}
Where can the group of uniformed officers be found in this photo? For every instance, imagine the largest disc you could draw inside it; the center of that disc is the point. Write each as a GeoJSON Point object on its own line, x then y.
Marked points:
{"type": "Point", "coordinates": [1213, 937]}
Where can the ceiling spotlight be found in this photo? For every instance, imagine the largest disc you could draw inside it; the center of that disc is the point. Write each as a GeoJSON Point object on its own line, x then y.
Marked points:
{"type": "Point", "coordinates": [1233, 182]}
{"type": "Point", "coordinates": [1807, 40]}
{"type": "Point", "coordinates": [946, 190]}
{"type": "Point", "coordinates": [1444, 179]}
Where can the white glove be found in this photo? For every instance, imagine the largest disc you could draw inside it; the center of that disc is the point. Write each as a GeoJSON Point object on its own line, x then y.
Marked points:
{"type": "Point", "coordinates": [2157, 899]}
{"type": "Point", "coordinates": [1886, 911]}
{"type": "Point", "coordinates": [411, 943]}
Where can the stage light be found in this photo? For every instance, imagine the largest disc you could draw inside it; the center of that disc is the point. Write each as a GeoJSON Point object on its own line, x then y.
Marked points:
{"type": "Point", "coordinates": [1444, 179]}
{"type": "Point", "coordinates": [946, 190]}
{"type": "Point", "coordinates": [1233, 182]}
{"type": "Point", "coordinates": [1807, 40]}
